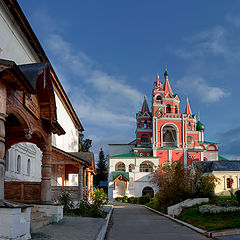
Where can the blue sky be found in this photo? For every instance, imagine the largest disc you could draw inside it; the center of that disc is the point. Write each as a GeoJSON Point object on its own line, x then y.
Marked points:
{"type": "Point", "coordinates": [107, 55]}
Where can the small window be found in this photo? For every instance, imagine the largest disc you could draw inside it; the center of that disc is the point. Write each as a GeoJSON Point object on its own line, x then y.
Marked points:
{"type": "Point", "coordinates": [18, 164]}
{"type": "Point", "coordinates": [229, 182]}
{"type": "Point", "coordinates": [146, 167]}
{"type": "Point", "coordinates": [159, 99]}
{"type": "Point", "coordinates": [145, 124]}
{"type": "Point", "coordinates": [120, 167]}
{"type": "Point", "coordinates": [168, 109]}
{"type": "Point", "coordinates": [189, 126]}
{"type": "Point", "coordinates": [131, 167]}
{"type": "Point", "coordinates": [176, 109]}
{"type": "Point", "coordinates": [28, 167]}
{"type": "Point", "coordinates": [145, 139]}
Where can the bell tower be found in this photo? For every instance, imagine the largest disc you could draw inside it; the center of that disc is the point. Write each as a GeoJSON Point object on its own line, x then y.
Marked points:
{"type": "Point", "coordinates": [144, 125]}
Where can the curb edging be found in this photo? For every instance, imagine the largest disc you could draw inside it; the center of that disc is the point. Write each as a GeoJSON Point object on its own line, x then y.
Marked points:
{"type": "Point", "coordinates": [103, 230]}
{"type": "Point", "coordinates": [196, 229]}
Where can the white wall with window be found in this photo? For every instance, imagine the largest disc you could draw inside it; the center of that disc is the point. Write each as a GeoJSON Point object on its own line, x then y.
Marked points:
{"type": "Point", "coordinates": [23, 163]}
{"type": "Point", "coordinates": [140, 170]}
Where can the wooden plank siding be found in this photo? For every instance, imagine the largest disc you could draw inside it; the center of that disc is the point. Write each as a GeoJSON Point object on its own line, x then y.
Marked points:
{"type": "Point", "coordinates": [23, 192]}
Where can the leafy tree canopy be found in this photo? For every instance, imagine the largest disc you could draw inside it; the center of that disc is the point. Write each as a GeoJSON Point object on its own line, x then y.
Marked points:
{"type": "Point", "coordinates": [84, 144]}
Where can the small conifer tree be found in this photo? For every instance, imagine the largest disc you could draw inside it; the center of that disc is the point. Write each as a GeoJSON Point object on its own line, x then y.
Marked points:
{"type": "Point", "coordinates": [101, 171]}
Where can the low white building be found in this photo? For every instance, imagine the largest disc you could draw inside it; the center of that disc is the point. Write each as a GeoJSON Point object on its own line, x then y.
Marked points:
{"type": "Point", "coordinates": [131, 174]}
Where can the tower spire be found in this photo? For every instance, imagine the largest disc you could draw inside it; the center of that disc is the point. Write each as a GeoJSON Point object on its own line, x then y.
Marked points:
{"type": "Point", "coordinates": [167, 87]}
{"type": "Point", "coordinates": [145, 105]}
{"type": "Point", "coordinates": [187, 108]}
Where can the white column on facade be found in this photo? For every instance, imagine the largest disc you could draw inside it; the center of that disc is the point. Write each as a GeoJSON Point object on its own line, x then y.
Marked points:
{"type": "Point", "coordinates": [225, 182]}
{"type": "Point", "coordinates": [127, 167]}
{"type": "Point", "coordinates": [185, 157]}
{"type": "Point", "coordinates": [170, 157]}
{"type": "Point", "coordinates": [201, 156]}
{"type": "Point", "coordinates": [237, 181]}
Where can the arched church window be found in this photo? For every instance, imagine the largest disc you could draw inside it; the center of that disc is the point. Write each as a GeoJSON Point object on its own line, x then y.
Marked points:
{"type": "Point", "coordinates": [28, 166]}
{"type": "Point", "coordinates": [189, 126]}
{"type": "Point", "coordinates": [145, 124]}
{"type": "Point", "coordinates": [18, 164]}
{"type": "Point", "coordinates": [146, 167]}
{"type": "Point", "coordinates": [190, 141]}
{"type": "Point", "coordinates": [168, 108]}
{"type": "Point", "coordinates": [131, 167]}
{"type": "Point", "coordinates": [145, 139]}
{"type": "Point", "coordinates": [120, 166]}
{"type": "Point", "coordinates": [159, 99]}
{"type": "Point", "coordinates": [169, 134]}
{"type": "Point", "coordinates": [176, 109]}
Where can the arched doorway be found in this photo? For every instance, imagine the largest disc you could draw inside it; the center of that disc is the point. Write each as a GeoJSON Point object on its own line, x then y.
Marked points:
{"type": "Point", "coordinates": [148, 190]}
{"type": "Point", "coordinates": [121, 188]}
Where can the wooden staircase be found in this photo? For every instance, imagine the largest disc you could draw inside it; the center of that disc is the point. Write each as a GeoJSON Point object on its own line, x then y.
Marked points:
{"type": "Point", "coordinates": [38, 220]}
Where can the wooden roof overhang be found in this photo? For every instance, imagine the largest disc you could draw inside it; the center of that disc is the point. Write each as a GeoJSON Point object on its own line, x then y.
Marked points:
{"type": "Point", "coordinates": [33, 79]}
{"type": "Point", "coordinates": [63, 158]}
{"type": "Point", "coordinates": [120, 176]}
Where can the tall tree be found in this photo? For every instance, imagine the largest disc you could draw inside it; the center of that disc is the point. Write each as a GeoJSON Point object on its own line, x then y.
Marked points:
{"type": "Point", "coordinates": [101, 171]}
{"type": "Point", "coordinates": [83, 144]}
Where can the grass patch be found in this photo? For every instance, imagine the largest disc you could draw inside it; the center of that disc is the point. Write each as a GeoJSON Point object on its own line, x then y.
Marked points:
{"type": "Point", "coordinates": [210, 222]}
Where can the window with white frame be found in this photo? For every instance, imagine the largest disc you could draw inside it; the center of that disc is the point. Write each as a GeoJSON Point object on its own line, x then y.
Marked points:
{"type": "Point", "coordinates": [19, 164]}
{"type": "Point", "coordinates": [131, 167]}
{"type": "Point", "coordinates": [146, 167]}
{"type": "Point", "coordinates": [28, 167]}
{"type": "Point", "coordinates": [120, 166]}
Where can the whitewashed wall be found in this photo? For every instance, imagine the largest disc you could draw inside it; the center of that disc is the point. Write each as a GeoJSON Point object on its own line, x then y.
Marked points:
{"type": "Point", "coordinates": [138, 180]}
{"type": "Point", "coordinates": [25, 151]}
{"type": "Point", "coordinates": [15, 47]}
{"type": "Point", "coordinates": [69, 141]}
{"type": "Point", "coordinates": [13, 44]}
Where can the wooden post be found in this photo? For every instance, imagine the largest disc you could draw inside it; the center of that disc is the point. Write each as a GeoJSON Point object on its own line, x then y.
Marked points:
{"type": "Point", "coordinates": [46, 194]}
{"type": "Point", "coordinates": [80, 182]}
{"type": "Point", "coordinates": [3, 100]}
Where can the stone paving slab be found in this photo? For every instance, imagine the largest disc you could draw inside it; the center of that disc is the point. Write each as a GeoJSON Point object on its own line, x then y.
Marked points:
{"type": "Point", "coordinates": [136, 222]}
{"type": "Point", "coordinates": [71, 228]}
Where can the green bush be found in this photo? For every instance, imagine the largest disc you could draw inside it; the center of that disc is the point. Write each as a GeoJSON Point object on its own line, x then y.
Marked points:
{"type": "Point", "coordinates": [144, 199]}
{"type": "Point", "coordinates": [133, 200]}
{"type": "Point", "coordinates": [66, 201]}
{"type": "Point", "coordinates": [237, 194]}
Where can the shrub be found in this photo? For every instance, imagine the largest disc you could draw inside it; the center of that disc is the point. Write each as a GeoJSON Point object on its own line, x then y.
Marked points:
{"type": "Point", "coordinates": [133, 200]}
{"type": "Point", "coordinates": [212, 209]}
{"type": "Point", "coordinates": [99, 197]}
{"type": "Point", "coordinates": [144, 199]}
{"type": "Point", "coordinates": [237, 194]}
{"type": "Point", "coordinates": [66, 200]}
{"type": "Point", "coordinates": [177, 184]}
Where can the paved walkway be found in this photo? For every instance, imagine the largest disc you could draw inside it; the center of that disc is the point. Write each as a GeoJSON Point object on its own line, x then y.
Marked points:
{"type": "Point", "coordinates": [136, 222]}
{"type": "Point", "coordinates": [71, 228]}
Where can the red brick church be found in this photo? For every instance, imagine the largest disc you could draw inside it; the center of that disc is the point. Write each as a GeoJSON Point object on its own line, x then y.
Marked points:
{"type": "Point", "coordinates": [163, 136]}
{"type": "Point", "coordinates": [173, 136]}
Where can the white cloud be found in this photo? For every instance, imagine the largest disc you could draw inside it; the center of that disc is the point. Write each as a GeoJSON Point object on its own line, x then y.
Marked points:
{"type": "Point", "coordinates": [99, 98]}
{"type": "Point", "coordinates": [211, 41]}
{"type": "Point", "coordinates": [198, 87]}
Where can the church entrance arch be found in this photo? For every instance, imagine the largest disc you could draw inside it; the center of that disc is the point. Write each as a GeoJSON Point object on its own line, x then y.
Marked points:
{"type": "Point", "coordinates": [121, 188]}
{"type": "Point", "coordinates": [148, 190]}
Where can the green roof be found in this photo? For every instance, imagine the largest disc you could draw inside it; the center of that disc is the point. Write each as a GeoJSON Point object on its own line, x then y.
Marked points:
{"type": "Point", "coordinates": [116, 174]}
{"type": "Point", "coordinates": [221, 158]}
{"type": "Point", "coordinates": [166, 73]}
{"type": "Point", "coordinates": [143, 147]}
{"type": "Point", "coordinates": [206, 142]}
{"type": "Point", "coordinates": [130, 154]}
{"type": "Point", "coordinates": [200, 126]}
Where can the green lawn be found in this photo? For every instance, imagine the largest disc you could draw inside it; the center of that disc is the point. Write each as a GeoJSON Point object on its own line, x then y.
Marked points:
{"type": "Point", "coordinates": [210, 222]}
